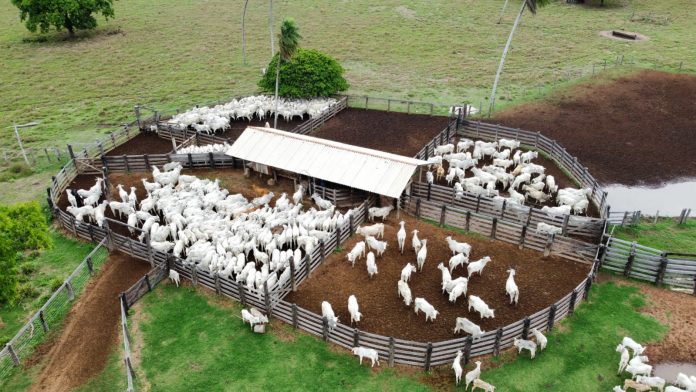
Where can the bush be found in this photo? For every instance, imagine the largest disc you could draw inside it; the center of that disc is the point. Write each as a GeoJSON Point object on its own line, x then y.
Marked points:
{"type": "Point", "coordinates": [27, 291]}
{"type": "Point", "coordinates": [308, 74]}
{"type": "Point", "coordinates": [55, 283]}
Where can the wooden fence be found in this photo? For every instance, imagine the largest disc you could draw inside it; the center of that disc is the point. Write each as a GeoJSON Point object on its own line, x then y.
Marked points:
{"type": "Point", "coordinates": [444, 137]}
{"type": "Point", "coordinates": [652, 265]}
{"type": "Point", "coordinates": [310, 125]}
{"type": "Point", "coordinates": [520, 234]}
{"type": "Point", "coordinates": [591, 228]}
{"type": "Point", "coordinates": [51, 314]}
{"type": "Point", "coordinates": [395, 105]}
{"type": "Point", "coordinates": [535, 140]}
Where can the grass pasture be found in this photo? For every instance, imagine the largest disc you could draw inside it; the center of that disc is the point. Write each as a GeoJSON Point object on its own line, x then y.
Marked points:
{"type": "Point", "coordinates": [665, 235]}
{"type": "Point", "coordinates": [175, 54]}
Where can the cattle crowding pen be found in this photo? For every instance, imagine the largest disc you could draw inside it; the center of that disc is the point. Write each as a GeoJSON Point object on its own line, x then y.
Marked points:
{"type": "Point", "coordinates": [475, 214]}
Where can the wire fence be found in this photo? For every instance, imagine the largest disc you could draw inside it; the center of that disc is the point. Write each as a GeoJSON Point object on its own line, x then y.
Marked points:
{"type": "Point", "coordinates": [52, 313]}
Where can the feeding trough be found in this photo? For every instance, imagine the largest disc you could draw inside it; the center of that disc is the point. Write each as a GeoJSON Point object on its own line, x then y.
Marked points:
{"type": "Point", "coordinates": [623, 35]}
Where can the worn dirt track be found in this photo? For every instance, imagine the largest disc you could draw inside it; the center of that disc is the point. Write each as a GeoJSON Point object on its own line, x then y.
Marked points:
{"type": "Point", "coordinates": [91, 328]}
{"type": "Point", "coordinates": [637, 129]}
{"type": "Point", "coordinates": [542, 281]}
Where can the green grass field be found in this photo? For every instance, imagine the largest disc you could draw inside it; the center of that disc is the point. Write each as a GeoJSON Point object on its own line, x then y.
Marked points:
{"type": "Point", "coordinates": [175, 54]}
{"type": "Point", "coordinates": [664, 235]}
{"type": "Point", "coordinates": [193, 342]}
{"type": "Point", "coordinates": [41, 273]}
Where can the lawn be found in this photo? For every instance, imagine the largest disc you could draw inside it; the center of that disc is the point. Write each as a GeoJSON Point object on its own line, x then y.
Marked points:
{"type": "Point", "coordinates": [41, 273]}
{"type": "Point", "coordinates": [664, 235]}
{"type": "Point", "coordinates": [193, 344]}
{"type": "Point", "coordinates": [194, 341]}
{"type": "Point", "coordinates": [175, 54]}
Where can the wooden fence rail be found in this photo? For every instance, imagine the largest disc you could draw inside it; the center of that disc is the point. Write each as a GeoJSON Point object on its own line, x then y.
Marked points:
{"type": "Point", "coordinates": [51, 314]}
{"type": "Point", "coordinates": [592, 228]}
{"type": "Point", "coordinates": [648, 264]}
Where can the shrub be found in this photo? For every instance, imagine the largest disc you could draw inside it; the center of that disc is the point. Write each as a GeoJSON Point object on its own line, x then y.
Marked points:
{"type": "Point", "coordinates": [308, 74]}
{"type": "Point", "coordinates": [55, 283]}
{"type": "Point", "coordinates": [27, 291]}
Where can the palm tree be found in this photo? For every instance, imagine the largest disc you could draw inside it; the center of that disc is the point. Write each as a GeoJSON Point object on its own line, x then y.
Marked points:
{"type": "Point", "coordinates": [270, 26]}
{"type": "Point", "coordinates": [532, 5]}
{"type": "Point", "coordinates": [246, 2]}
{"type": "Point", "coordinates": [288, 41]}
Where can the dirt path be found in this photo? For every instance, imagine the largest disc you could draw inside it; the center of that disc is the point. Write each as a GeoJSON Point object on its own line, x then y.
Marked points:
{"type": "Point", "coordinates": [635, 129]}
{"type": "Point", "coordinates": [91, 328]}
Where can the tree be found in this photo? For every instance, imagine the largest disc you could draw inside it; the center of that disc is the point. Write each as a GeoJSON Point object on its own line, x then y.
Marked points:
{"type": "Point", "coordinates": [288, 41]}
{"type": "Point", "coordinates": [308, 74]}
{"type": "Point", "coordinates": [532, 5]}
{"type": "Point", "coordinates": [62, 14]}
{"type": "Point", "coordinates": [246, 2]}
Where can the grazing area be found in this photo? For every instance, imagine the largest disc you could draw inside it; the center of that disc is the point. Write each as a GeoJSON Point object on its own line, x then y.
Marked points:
{"type": "Point", "coordinates": [397, 133]}
{"type": "Point", "coordinates": [579, 353]}
{"type": "Point", "coordinates": [193, 341]}
{"type": "Point", "coordinates": [665, 235]}
{"type": "Point", "coordinates": [541, 281]}
{"type": "Point", "coordinates": [608, 122]}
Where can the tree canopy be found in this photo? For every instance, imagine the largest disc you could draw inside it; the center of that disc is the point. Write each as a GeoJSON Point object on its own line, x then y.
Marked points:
{"type": "Point", "coordinates": [71, 15]}
{"type": "Point", "coordinates": [309, 73]}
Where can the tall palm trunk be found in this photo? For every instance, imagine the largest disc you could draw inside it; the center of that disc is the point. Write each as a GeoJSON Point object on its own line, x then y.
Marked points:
{"type": "Point", "coordinates": [275, 118]}
{"type": "Point", "coordinates": [502, 58]}
{"type": "Point", "coordinates": [502, 12]}
{"type": "Point", "coordinates": [244, 33]}
{"type": "Point", "coordinates": [270, 26]}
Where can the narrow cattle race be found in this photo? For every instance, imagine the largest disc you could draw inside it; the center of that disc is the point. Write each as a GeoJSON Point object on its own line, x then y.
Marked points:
{"type": "Point", "coordinates": [91, 328]}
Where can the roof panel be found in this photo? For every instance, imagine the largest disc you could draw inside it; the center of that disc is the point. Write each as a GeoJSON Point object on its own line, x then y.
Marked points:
{"type": "Point", "coordinates": [357, 167]}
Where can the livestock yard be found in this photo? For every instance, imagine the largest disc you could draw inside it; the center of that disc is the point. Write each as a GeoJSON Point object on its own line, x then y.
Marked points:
{"type": "Point", "coordinates": [420, 242]}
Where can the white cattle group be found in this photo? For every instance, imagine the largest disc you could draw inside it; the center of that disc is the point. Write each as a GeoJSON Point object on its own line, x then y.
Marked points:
{"type": "Point", "coordinates": [510, 170]}
{"type": "Point", "coordinates": [217, 118]}
{"type": "Point", "coordinates": [205, 149]}
{"type": "Point", "coordinates": [251, 242]}
{"type": "Point", "coordinates": [634, 362]}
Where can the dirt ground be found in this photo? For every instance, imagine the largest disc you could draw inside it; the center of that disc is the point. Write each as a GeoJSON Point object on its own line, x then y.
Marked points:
{"type": "Point", "coordinates": [541, 282]}
{"type": "Point", "coordinates": [91, 328]}
{"type": "Point", "coordinates": [637, 129]}
{"type": "Point", "coordinates": [144, 143]}
{"type": "Point", "coordinates": [397, 133]}
{"type": "Point", "coordinates": [671, 308]}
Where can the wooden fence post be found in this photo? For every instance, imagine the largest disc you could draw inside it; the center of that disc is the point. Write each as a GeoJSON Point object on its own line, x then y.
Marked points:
{"type": "Point", "coordinates": [125, 160]}
{"type": "Point", "coordinates": [124, 301]}
{"type": "Point", "coordinates": [502, 210]}
{"type": "Point", "coordinates": [322, 248]}
{"type": "Point", "coordinates": [525, 328]}
{"type": "Point", "coordinates": [551, 317]}
{"type": "Point", "coordinates": [496, 346]}
{"type": "Point", "coordinates": [42, 318]}
{"type": "Point", "coordinates": [194, 275]}
{"type": "Point", "coordinates": [13, 354]}
{"type": "Point", "coordinates": [391, 351]}
{"type": "Point", "coordinates": [267, 299]}
{"type": "Point", "coordinates": [478, 203]}
{"type": "Point", "coordinates": [147, 162]}
{"type": "Point", "coordinates": [494, 226]}
{"type": "Point", "coordinates": [418, 208]}
{"type": "Point", "coordinates": [351, 224]}
{"type": "Point", "coordinates": [71, 291]}
{"type": "Point", "coordinates": [242, 296]}
{"type": "Point", "coordinates": [661, 271]}
{"type": "Point", "coordinates": [216, 280]}
{"type": "Point", "coordinates": [356, 337]}
{"type": "Point", "coordinates": [294, 316]}
{"type": "Point", "coordinates": [90, 265]}
{"type": "Point", "coordinates": [468, 220]}
{"type": "Point", "coordinates": [573, 299]}
{"type": "Point", "coordinates": [588, 286]}
{"type": "Point", "coordinates": [292, 272]}
{"type": "Point", "coordinates": [428, 355]}
{"type": "Point", "coordinates": [147, 282]}
{"type": "Point", "coordinates": [629, 262]}
{"type": "Point", "coordinates": [430, 187]}
{"type": "Point", "coordinates": [442, 215]}
{"type": "Point", "coordinates": [523, 234]}
{"type": "Point", "coordinates": [549, 243]}
{"type": "Point", "coordinates": [467, 349]}
{"type": "Point", "coordinates": [564, 228]}
{"type": "Point", "coordinates": [190, 160]}
{"type": "Point", "coordinates": [149, 250]}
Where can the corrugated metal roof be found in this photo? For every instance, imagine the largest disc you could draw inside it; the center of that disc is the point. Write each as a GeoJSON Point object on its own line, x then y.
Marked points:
{"type": "Point", "coordinates": [357, 167]}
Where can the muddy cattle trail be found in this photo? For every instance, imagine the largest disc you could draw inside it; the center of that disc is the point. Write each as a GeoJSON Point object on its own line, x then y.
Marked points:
{"type": "Point", "coordinates": [91, 328]}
